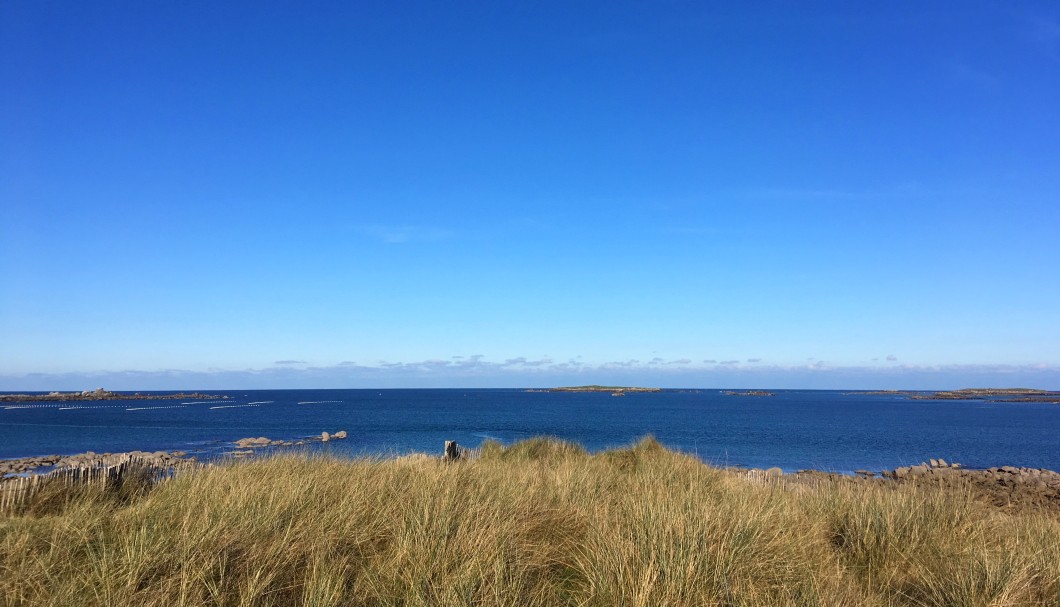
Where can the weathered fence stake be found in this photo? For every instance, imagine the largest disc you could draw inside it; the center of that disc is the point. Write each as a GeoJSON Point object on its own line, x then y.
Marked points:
{"type": "Point", "coordinates": [452, 451]}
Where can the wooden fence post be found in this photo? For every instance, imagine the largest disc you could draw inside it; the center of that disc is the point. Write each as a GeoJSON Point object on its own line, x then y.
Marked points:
{"type": "Point", "coordinates": [452, 451]}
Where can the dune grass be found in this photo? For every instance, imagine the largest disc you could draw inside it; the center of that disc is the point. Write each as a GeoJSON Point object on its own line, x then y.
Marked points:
{"type": "Point", "coordinates": [537, 523]}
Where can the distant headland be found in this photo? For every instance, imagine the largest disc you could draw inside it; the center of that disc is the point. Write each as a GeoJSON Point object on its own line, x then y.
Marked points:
{"type": "Point", "coordinates": [101, 394]}
{"type": "Point", "coordinates": [1003, 395]}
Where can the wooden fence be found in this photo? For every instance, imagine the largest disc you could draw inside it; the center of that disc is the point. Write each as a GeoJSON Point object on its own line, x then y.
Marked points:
{"type": "Point", "coordinates": [784, 481]}
{"type": "Point", "coordinates": [16, 492]}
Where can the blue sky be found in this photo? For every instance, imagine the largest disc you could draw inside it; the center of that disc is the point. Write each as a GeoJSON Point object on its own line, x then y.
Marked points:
{"type": "Point", "coordinates": [377, 194]}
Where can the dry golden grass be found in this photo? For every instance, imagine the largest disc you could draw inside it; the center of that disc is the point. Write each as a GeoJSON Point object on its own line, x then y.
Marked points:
{"type": "Point", "coordinates": [537, 523]}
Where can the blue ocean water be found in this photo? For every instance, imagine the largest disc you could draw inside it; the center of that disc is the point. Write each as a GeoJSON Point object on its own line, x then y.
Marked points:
{"type": "Point", "coordinates": [824, 430]}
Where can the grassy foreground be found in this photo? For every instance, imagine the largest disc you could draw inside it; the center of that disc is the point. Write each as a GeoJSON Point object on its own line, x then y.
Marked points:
{"type": "Point", "coordinates": [537, 523]}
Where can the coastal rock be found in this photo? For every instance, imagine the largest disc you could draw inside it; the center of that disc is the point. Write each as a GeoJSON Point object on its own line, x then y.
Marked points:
{"type": "Point", "coordinates": [339, 434]}
{"type": "Point", "coordinates": [324, 437]}
{"type": "Point", "coordinates": [244, 443]}
{"type": "Point", "coordinates": [1009, 488]}
{"type": "Point", "coordinates": [774, 472]}
{"type": "Point", "coordinates": [88, 459]}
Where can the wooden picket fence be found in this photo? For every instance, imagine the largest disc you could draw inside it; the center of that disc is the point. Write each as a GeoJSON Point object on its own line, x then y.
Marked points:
{"type": "Point", "coordinates": [16, 492]}
{"type": "Point", "coordinates": [787, 482]}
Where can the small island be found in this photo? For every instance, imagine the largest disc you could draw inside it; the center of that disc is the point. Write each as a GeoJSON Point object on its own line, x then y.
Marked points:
{"type": "Point", "coordinates": [747, 393]}
{"type": "Point", "coordinates": [1007, 395]}
{"type": "Point", "coordinates": [1001, 395]}
{"type": "Point", "coordinates": [611, 389]}
{"type": "Point", "coordinates": [101, 394]}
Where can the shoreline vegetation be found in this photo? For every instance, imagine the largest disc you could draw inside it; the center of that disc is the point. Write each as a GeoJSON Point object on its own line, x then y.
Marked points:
{"type": "Point", "coordinates": [539, 522]}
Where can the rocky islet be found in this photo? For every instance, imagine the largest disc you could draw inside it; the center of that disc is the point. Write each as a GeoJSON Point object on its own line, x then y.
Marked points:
{"type": "Point", "coordinates": [246, 446]}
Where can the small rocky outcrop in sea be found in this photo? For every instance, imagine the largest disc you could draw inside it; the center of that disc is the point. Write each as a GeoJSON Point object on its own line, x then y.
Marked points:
{"type": "Point", "coordinates": [246, 446]}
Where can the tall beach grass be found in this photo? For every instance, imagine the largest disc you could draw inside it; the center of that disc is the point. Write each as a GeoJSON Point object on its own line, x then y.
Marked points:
{"type": "Point", "coordinates": [540, 522]}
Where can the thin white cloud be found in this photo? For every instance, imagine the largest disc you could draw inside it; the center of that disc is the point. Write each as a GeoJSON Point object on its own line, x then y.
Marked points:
{"type": "Point", "coordinates": [621, 364]}
{"type": "Point", "coordinates": [797, 194]}
{"type": "Point", "coordinates": [522, 361]}
{"type": "Point", "coordinates": [401, 234]}
{"type": "Point", "coordinates": [478, 372]}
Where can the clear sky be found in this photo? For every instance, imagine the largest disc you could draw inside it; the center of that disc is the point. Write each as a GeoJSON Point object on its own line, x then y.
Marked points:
{"type": "Point", "coordinates": [373, 194]}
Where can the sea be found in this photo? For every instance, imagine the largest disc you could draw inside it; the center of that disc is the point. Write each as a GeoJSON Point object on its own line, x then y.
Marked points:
{"type": "Point", "coordinates": [793, 429]}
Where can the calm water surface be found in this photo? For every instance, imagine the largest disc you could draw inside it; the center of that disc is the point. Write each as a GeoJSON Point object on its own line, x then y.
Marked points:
{"type": "Point", "coordinates": [826, 430]}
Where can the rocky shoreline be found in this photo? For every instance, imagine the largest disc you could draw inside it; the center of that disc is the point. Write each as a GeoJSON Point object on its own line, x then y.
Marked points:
{"type": "Point", "coordinates": [89, 459]}
{"type": "Point", "coordinates": [241, 448]}
{"type": "Point", "coordinates": [1009, 488]}
{"type": "Point", "coordinates": [101, 394]}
